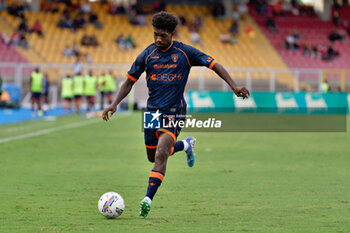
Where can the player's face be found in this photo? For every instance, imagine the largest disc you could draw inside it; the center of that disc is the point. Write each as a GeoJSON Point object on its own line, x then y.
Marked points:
{"type": "Point", "coordinates": [162, 38]}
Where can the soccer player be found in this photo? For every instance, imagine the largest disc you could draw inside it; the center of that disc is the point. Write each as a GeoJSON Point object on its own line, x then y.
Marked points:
{"type": "Point", "coordinates": [36, 87]}
{"type": "Point", "coordinates": [167, 64]}
{"type": "Point", "coordinates": [67, 92]}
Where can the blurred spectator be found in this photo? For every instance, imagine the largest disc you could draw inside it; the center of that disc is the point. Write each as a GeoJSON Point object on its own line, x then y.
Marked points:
{"type": "Point", "coordinates": [197, 24]}
{"type": "Point", "coordinates": [270, 23]}
{"type": "Point", "coordinates": [37, 28]}
{"type": "Point", "coordinates": [3, 5]}
{"type": "Point", "coordinates": [195, 37]}
{"type": "Point", "coordinates": [234, 28]}
{"type": "Point", "coordinates": [337, 35]}
{"type": "Point", "coordinates": [121, 41]}
{"type": "Point", "coordinates": [86, 8]}
{"type": "Point", "coordinates": [23, 41]}
{"type": "Point", "coordinates": [290, 43]}
{"type": "Point", "coordinates": [5, 38]}
{"type": "Point", "coordinates": [89, 40]}
{"type": "Point", "coordinates": [314, 51]}
{"type": "Point", "coordinates": [242, 9]}
{"type": "Point", "coordinates": [78, 22]}
{"type": "Point", "coordinates": [306, 49]}
{"type": "Point", "coordinates": [77, 66]}
{"type": "Point", "coordinates": [218, 9]}
{"type": "Point", "coordinates": [225, 38]}
{"type": "Point", "coordinates": [336, 18]}
{"type": "Point", "coordinates": [158, 5]}
{"type": "Point", "coordinates": [116, 9]}
{"type": "Point", "coordinates": [65, 21]}
{"type": "Point", "coordinates": [93, 19]}
{"type": "Point", "coordinates": [235, 13]}
{"type": "Point", "coordinates": [88, 59]}
{"type": "Point", "coordinates": [49, 6]}
{"type": "Point", "coordinates": [183, 20]}
{"type": "Point", "coordinates": [142, 20]}
{"type": "Point", "coordinates": [331, 54]}
{"type": "Point", "coordinates": [68, 52]}
{"type": "Point", "coordinates": [23, 27]}
{"type": "Point", "coordinates": [130, 42]}
{"type": "Point", "coordinates": [16, 9]}
{"type": "Point", "coordinates": [15, 38]}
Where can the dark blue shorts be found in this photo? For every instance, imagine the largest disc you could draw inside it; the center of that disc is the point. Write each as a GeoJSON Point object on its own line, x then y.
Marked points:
{"type": "Point", "coordinates": [36, 95]}
{"type": "Point", "coordinates": [152, 135]}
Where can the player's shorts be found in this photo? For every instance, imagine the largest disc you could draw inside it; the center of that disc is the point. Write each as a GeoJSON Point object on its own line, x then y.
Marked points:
{"type": "Point", "coordinates": [68, 99]}
{"type": "Point", "coordinates": [90, 99]}
{"type": "Point", "coordinates": [77, 97]}
{"type": "Point", "coordinates": [36, 95]}
{"type": "Point", "coordinates": [152, 135]}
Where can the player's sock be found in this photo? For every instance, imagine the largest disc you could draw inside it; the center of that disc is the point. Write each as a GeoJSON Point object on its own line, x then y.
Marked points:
{"type": "Point", "coordinates": [155, 180]}
{"type": "Point", "coordinates": [180, 146]}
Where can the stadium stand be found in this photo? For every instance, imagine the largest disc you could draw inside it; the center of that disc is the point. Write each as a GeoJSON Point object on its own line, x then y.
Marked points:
{"type": "Point", "coordinates": [312, 32]}
{"type": "Point", "coordinates": [253, 50]}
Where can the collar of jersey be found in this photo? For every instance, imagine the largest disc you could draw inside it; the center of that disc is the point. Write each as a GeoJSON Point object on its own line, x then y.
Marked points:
{"type": "Point", "coordinates": [168, 47]}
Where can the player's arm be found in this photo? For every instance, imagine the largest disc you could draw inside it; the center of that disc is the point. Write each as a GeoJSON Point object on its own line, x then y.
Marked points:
{"type": "Point", "coordinates": [239, 91]}
{"type": "Point", "coordinates": [123, 92]}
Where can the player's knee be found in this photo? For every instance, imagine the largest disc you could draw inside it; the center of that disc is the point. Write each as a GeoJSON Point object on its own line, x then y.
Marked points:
{"type": "Point", "coordinates": [162, 154]}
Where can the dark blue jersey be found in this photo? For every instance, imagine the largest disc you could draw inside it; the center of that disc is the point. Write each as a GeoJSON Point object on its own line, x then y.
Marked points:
{"type": "Point", "coordinates": [167, 73]}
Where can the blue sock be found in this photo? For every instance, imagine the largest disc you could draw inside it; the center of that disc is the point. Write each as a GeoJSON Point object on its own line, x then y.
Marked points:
{"type": "Point", "coordinates": [179, 146]}
{"type": "Point", "coordinates": [155, 180]}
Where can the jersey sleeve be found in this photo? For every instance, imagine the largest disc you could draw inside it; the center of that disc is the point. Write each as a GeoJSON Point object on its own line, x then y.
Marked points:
{"type": "Point", "coordinates": [137, 68]}
{"type": "Point", "coordinates": [198, 58]}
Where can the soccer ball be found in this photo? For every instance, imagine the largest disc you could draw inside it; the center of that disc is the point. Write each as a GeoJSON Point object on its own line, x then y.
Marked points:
{"type": "Point", "coordinates": [111, 205]}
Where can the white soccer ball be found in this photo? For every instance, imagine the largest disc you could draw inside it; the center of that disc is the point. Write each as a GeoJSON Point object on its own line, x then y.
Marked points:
{"type": "Point", "coordinates": [111, 205]}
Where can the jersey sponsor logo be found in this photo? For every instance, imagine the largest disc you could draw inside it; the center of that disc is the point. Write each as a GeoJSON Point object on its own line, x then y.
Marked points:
{"type": "Point", "coordinates": [155, 57]}
{"type": "Point", "coordinates": [166, 77]}
{"type": "Point", "coordinates": [174, 57]}
{"type": "Point", "coordinates": [164, 66]}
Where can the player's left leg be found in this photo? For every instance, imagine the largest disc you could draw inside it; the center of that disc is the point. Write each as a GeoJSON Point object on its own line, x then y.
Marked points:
{"type": "Point", "coordinates": [164, 149]}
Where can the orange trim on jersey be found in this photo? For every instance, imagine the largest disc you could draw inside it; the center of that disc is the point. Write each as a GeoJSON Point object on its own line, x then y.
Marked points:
{"type": "Point", "coordinates": [168, 48]}
{"type": "Point", "coordinates": [150, 55]}
{"type": "Point", "coordinates": [185, 56]}
{"type": "Point", "coordinates": [212, 64]}
{"type": "Point", "coordinates": [131, 77]}
{"type": "Point", "coordinates": [168, 132]}
{"type": "Point", "coordinates": [151, 147]}
{"type": "Point", "coordinates": [156, 175]}
{"type": "Point", "coordinates": [172, 151]}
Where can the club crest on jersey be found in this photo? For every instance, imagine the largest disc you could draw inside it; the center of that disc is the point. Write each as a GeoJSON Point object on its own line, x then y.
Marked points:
{"type": "Point", "coordinates": [174, 57]}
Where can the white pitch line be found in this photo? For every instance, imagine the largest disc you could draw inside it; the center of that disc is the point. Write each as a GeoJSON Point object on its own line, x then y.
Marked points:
{"type": "Point", "coordinates": [55, 129]}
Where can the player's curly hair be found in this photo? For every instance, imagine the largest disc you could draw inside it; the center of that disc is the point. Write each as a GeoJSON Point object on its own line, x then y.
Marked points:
{"type": "Point", "coordinates": [165, 21]}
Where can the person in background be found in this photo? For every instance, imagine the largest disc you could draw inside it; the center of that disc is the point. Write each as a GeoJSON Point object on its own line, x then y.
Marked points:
{"type": "Point", "coordinates": [325, 86]}
{"type": "Point", "coordinates": [78, 90]}
{"type": "Point", "coordinates": [102, 88]}
{"type": "Point", "coordinates": [46, 90]}
{"type": "Point", "coordinates": [90, 89]}
{"type": "Point", "coordinates": [67, 92]}
{"type": "Point", "coordinates": [36, 87]}
{"type": "Point", "coordinates": [110, 86]}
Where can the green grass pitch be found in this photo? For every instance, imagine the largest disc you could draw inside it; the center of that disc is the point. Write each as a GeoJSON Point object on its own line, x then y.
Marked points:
{"type": "Point", "coordinates": [241, 182]}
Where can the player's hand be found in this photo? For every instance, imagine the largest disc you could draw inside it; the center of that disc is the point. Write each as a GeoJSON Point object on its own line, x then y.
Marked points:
{"type": "Point", "coordinates": [108, 112]}
{"type": "Point", "coordinates": [241, 92]}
